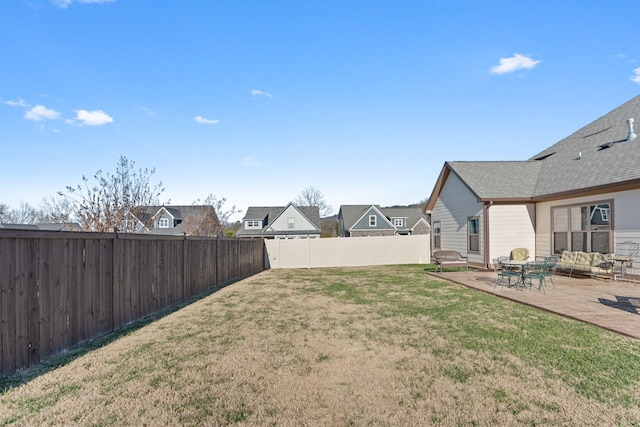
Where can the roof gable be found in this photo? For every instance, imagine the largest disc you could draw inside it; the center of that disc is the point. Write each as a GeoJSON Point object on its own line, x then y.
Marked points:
{"type": "Point", "coordinates": [382, 223]}
{"type": "Point", "coordinates": [596, 156]}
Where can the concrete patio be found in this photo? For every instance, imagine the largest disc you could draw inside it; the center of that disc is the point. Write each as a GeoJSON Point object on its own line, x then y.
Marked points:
{"type": "Point", "coordinates": [612, 305]}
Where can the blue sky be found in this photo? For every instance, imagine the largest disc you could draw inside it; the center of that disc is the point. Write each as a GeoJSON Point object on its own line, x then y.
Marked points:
{"type": "Point", "coordinates": [256, 100]}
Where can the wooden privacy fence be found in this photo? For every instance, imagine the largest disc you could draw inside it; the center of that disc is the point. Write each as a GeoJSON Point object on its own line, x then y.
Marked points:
{"type": "Point", "coordinates": [58, 289]}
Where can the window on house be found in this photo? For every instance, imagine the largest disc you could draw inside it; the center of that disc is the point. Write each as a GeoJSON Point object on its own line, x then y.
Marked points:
{"type": "Point", "coordinates": [373, 220]}
{"type": "Point", "coordinates": [436, 234]}
{"type": "Point", "coordinates": [398, 222]}
{"type": "Point", "coordinates": [253, 224]}
{"type": "Point", "coordinates": [291, 222]}
{"type": "Point", "coordinates": [163, 223]}
{"type": "Point", "coordinates": [473, 234]}
{"type": "Point", "coordinates": [584, 228]}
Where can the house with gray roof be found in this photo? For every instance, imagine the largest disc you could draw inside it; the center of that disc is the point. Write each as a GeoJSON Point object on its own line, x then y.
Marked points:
{"type": "Point", "coordinates": [191, 220]}
{"type": "Point", "coordinates": [580, 194]}
{"type": "Point", "coordinates": [281, 222]}
{"type": "Point", "coordinates": [372, 220]}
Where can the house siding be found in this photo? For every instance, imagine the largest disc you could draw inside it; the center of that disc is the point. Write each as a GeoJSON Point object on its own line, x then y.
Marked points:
{"type": "Point", "coordinates": [301, 223]}
{"type": "Point", "coordinates": [453, 208]}
{"type": "Point", "coordinates": [626, 222]}
{"type": "Point", "coordinates": [511, 226]}
{"type": "Point", "coordinates": [421, 228]}
{"type": "Point", "coordinates": [363, 226]}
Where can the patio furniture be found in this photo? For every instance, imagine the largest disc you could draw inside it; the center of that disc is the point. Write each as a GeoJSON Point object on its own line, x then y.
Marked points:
{"type": "Point", "coordinates": [520, 254]}
{"type": "Point", "coordinates": [508, 271]}
{"type": "Point", "coordinates": [625, 255]}
{"type": "Point", "coordinates": [592, 263]}
{"type": "Point", "coordinates": [550, 265]}
{"type": "Point", "coordinates": [449, 258]}
{"type": "Point", "coordinates": [535, 272]}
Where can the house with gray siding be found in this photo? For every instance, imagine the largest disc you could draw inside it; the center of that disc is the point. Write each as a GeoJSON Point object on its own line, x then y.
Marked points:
{"type": "Point", "coordinates": [580, 194]}
{"type": "Point", "coordinates": [281, 222]}
{"type": "Point", "coordinates": [372, 220]}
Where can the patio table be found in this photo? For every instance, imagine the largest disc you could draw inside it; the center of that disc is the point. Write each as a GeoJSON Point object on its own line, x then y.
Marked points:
{"type": "Point", "coordinates": [520, 264]}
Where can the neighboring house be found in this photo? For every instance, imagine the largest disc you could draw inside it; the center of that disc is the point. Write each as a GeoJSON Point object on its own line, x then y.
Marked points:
{"type": "Point", "coordinates": [288, 222]}
{"type": "Point", "coordinates": [372, 220]}
{"type": "Point", "coordinates": [195, 220]}
{"type": "Point", "coordinates": [582, 193]}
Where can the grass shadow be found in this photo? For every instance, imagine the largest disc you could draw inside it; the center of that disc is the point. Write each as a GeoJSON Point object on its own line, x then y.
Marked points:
{"type": "Point", "coordinates": [23, 376]}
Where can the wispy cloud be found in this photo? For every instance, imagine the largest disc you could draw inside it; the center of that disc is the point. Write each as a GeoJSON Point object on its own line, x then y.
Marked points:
{"type": "Point", "coordinates": [19, 103]}
{"type": "Point", "coordinates": [147, 111]}
{"type": "Point", "coordinates": [90, 118]}
{"type": "Point", "coordinates": [251, 162]}
{"type": "Point", "coordinates": [514, 63]}
{"type": "Point", "coordinates": [204, 121]}
{"type": "Point", "coordinates": [39, 113]}
{"type": "Point", "coordinates": [636, 76]}
{"type": "Point", "coordinates": [258, 92]}
{"type": "Point", "coordinates": [66, 3]}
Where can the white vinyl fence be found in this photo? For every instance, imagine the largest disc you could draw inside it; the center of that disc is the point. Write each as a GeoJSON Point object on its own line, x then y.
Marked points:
{"type": "Point", "coordinates": [347, 251]}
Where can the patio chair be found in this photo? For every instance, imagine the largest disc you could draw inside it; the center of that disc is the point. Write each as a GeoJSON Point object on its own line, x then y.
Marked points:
{"type": "Point", "coordinates": [520, 254]}
{"type": "Point", "coordinates": [535, 271]}
{"type": "Point", "coordinates": [505, 272]}
{"type": "Point", "coordinates": [551, 266]}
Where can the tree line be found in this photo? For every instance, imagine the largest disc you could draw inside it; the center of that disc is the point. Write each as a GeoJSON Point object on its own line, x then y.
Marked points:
{"type": "Point", "coordinates": [121, 200]}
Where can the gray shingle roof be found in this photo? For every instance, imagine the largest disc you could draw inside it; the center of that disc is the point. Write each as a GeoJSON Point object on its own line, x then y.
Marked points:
{"type": "Point", "coordinates": [595, 156]}
{"type": "Point", "coordinates": [352, 213]}
{"type": "Point", "coordinates": [499, 180]}
{"type": "Point", "coordinates": [268, 214]}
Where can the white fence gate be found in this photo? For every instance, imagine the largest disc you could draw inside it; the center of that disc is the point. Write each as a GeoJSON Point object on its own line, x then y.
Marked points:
{"type": "Point", "coordinates": [347, 251]}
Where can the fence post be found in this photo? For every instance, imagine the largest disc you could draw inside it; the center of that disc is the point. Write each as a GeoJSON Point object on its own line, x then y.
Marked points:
{"type": "Point", "coordinates": [114, 278]}
{"type": "Point", "coordinates": [184, 267]}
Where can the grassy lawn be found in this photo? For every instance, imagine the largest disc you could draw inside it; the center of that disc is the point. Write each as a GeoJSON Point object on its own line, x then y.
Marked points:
{"type": "Point", "coordinates": [355, 346]}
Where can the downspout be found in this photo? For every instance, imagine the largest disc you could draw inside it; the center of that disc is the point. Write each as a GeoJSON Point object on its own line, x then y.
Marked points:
{"type": "Point", "coordinates": [487, 246]}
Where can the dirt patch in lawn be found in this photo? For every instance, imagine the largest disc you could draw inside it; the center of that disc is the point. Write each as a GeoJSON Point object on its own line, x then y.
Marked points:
{"type": "Point", "coordinates": [293, 348]}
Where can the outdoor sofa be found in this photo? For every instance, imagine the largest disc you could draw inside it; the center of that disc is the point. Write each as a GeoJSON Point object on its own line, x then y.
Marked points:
{"type": "Point", "coordinates": [592, 263]}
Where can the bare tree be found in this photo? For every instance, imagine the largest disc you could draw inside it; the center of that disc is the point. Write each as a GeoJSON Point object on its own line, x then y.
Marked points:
{"type": "Point", "coordinates": [4, 212]}
{"type": "Point", "coordinates": [24, 214]}
{"type": "Point", "coordinates": [311, 196]}
{"type": "Point", "coordinates": [208, 217]}
{"type": "Point", "coordinates": [116, 200]}
{"type": "Point", "coordinates": [60, 210]}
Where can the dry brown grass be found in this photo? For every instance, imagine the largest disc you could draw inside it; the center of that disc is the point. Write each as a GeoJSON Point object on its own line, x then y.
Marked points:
{"type": "Point", "coordinates": [296, 348]}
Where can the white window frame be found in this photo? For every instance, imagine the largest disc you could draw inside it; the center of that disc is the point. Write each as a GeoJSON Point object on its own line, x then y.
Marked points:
{"type": "Point", "coordinates": [291, 223]}
{"type": "Point", "coordinates": [163, 223]}
{"type": "Point", "coordinates": [252, 224]}
{"type": "Point", "coordinates": [398, 222]}
{"type": "Point", "coordinates": [373, 220]}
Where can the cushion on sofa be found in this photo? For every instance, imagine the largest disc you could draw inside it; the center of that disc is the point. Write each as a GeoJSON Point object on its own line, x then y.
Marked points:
{"type": "Point", "coordinates": [567, 257]}
{"type": "Point", "coordinates": [583, 258]}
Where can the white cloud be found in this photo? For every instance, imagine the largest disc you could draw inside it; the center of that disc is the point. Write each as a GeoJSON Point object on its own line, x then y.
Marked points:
{"type": "Point", "coordinates": [514, 63]}
{"type": "Point", "coordinates": [204, 121]}
{"type": "Point", "coordinates": [40, 112]}
{"type": "Point", "coordinates": [636, 76]}
{"type": "Point", "coordinates": [19, 103]}
{"type": "Point", "coordinates": [66, 3]}
{"type": "Point", "coordinates": [251, 162]}
{"type": "Point", "coordinates": [258, 92]}
{"type": "Point", "coordinates": [147, 111]}
{"type": "Point", "coordinates": [91, 118]}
